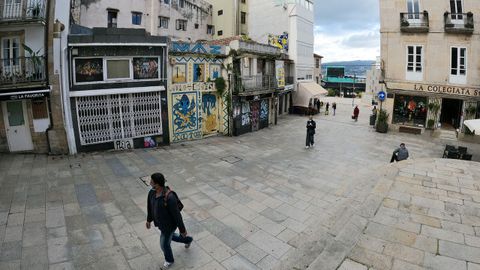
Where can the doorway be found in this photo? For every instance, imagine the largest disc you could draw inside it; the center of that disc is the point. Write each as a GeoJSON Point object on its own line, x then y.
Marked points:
{"type": "Point", "coordinates": [451, 113]}
{"type": "Point", "coordinates": [17, 127]}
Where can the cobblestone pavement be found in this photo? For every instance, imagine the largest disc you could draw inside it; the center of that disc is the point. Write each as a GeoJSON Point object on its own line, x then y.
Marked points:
{"type": "Point", "coordinates": [259, 201]}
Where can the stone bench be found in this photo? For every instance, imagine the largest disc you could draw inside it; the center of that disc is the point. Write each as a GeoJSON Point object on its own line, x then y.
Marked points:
{"type": "Point", "coordinates": [411, 130]}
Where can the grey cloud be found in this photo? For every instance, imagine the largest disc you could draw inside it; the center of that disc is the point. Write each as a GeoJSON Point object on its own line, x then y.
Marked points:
{"type": "Point", "coordinates": [341, 16]}
{"type": "Point", "coordinates": [366, 40]}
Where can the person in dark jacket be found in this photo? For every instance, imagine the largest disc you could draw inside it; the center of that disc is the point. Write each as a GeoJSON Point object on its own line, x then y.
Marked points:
{"type": "Point", "coordinates": [166, 217]}
{"type": "Point", "coordinates": [311, 125]}
{"type": "Point", "coordinates": [334, 107]}
{"type": "Point", "coordinates": [400, 153]}
{"type": "Point", "coordinates": [326, 108]}
{"type": "Point", "coordinates": [356, 112]}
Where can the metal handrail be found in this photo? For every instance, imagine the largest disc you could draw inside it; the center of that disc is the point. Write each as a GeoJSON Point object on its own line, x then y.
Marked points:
{"type": "Point", "coordinates": [25, 10]}
{"type": "Point", "coordinates": [414, 19]}
{"type": "Point", "coordinates": [22, 70]}
{"type": "Point", "coordinates": [459, 20]}
{"type": "Point", "coordinates": [256, 82]}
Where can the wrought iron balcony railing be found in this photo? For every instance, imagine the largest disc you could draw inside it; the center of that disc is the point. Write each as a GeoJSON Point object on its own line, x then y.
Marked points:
{"type": "Point", "coordinates": [19, 11]}
{"type": "Point", "coordinates": [22, 70]}
{"type": "Point", "coordinates": [459, 22]}
{"type": "Point", "coordinates": [254, 83]}
{"type": "Point", "coordinates": [414, 22]}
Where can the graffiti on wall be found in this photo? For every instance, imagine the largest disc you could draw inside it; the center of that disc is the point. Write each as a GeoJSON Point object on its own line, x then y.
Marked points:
{"type": "Point", "coordinates": [198, 48]}
{"type": "Point", "coordinates": [263, 110]}
{"type": "Point", "coordinates": [145, 68]}
{"type": "Point", "coordinates": [198, 72]}
{"type": "Point", "coordinates": [214, 71]}
{"type": "Point", "coordinates": [184, 115]}
{"type": "Point", "coordinates": [255, 111]}
{"type": "Point", "coordinates": [245, 114]}
{"type": "Point", "coordinates": [179, 74]}
{"type": "Point", "coordinates": [210, 113]}
{"type": "Point", "coordinates": [279, 41]}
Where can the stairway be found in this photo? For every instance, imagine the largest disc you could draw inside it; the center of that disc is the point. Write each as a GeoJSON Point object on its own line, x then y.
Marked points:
{"type": "Point", "coordinates": [447, 134]}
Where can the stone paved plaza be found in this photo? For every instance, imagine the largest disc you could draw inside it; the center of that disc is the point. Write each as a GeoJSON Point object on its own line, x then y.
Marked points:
{"type": "Point", "coordinates": [259, 201]}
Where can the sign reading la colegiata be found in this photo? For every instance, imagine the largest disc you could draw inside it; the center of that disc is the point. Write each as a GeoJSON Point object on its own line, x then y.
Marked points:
{"type": "Point", "coordinates": [451, 90]}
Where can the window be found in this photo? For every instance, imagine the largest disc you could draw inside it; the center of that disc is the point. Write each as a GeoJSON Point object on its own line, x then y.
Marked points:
{"type": "Point", "coordinates": [414, 63]}
{"type": "Point", "coordinates": [112, 18]}
{"type": "Point", "coordinates": [118, 69]}
{"type": "Point", "coordinates": [309, 77]}
{"type": "Point", "coordinates": [10, 53]}
{"type": "Point", "coordinates": [458, 65]}
{"type": "Point", "coordinates": [219, 33]}
{"type": "Point", "coordinates": [163, 22]}
{"type": "Point", "coordinates": [409, 110]}
{"type": "Point", "coordinates": [413, 8]}
{"type": "Point", "coordinates": [456, 8]}
{"type": "Point", "coordinates": [182, 25]}
{"type": "Point", "coordinates": [182, 3]}
{"type": "Point", "coordinates": [136, 18]}
{"type": "Point", "coordinates": [220, 12]}
{"type": "Point", "coordinates": [210, 29]}
{"type": "Point", "coordinates": [196, 26]}
{"type": "Point", "coordinates": [317, 63]}
{"type": "Point", "coordinates": [166, 2]}
{"type": "Point", "coordinates": [243, 18]}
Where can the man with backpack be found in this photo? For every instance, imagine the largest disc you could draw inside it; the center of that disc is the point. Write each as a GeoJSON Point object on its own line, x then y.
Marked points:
{"type": "Point", "coordinates": [163, 208]}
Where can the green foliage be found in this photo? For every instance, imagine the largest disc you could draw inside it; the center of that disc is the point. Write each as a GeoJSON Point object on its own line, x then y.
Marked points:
{"type": "Point", "coordinates": [34, 57]}
{"type": "Point", "coordinates": [331, 93]}
{"type": "Point", "coordinates": [382, 116]}
{"type": "Point", "coordinates": [220, 85]}
{"type": "Point", "coordinates": [471, 110]}
{"type": "Point", "coordinates": [430, 123]}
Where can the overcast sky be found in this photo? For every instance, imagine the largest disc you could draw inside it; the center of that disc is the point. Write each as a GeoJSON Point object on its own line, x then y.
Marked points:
{"type": "Point", "coordinates": [347, 29]}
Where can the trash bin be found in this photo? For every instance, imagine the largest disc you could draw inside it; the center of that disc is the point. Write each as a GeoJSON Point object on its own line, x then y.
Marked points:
{"type": "Point", "coordinates": [373, 118]}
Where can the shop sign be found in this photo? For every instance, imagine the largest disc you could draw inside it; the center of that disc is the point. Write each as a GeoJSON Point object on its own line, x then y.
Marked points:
{"type": "Point", "coordinates": [24, 96]}
{"type": "Point", "coordinates": [449, 90]}
{"type": "Point", "coordinates": [199, 86]}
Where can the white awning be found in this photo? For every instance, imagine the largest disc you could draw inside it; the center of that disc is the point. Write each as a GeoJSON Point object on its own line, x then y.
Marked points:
{"type": "Point", "coordinates": [307, 91]}
{"type": "Point", "coordinates": [473, 125]}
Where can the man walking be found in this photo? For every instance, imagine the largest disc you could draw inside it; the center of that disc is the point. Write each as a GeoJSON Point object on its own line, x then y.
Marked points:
{"type": "Point", "coordinates": [311, 125]}
{"type": "Point", "coordinates": [162, 209]}
{"type": "Point", "coordinates": [326, 108]}
{"type": "Point", "coordinates": [334, 107]}
{"type": "Point", "coordinates": [400, 153]}
{"type": "Point", "coordinates": [356, 112]}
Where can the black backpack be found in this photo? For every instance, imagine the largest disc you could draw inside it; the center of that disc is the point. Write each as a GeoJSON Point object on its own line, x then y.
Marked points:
{"type": "Point", "coordinates": [179, 203]}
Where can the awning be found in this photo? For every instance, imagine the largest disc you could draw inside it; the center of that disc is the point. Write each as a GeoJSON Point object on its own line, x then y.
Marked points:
{"type": "Point", "coordinates": [473, 125]}
{"type": "Point", "coordinates": [307, 91]}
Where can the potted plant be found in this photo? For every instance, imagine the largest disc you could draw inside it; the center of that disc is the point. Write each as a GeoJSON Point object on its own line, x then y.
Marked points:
{"type": "Point", "coordinates": [382, 121]}
{"type": "Point", "coordinates": [430, 123]}
{"type": "Point", "coordinates": [220, 85]}
{"type": "Point", "coordinates": [433, 107]}
{"type": "Point", "coordinates": [36, 61]}
{"type": "Point", "coordinates": [405, 23]}
{"type": "Point", "coordinates": [35, 8]}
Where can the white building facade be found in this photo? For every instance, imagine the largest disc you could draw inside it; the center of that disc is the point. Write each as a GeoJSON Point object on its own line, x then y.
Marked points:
{"type": "Point", "coordinates": [185, 20]}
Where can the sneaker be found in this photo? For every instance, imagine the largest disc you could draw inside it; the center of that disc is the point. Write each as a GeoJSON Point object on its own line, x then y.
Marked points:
{"type": "Point", "coordinates": [188, 245]}
{"type": "Point", "coordinates": [313, 145]}
{"type": "Point", "coordinates": [306, 147]}
{"type": "Point", "coordinates": [166, 265]}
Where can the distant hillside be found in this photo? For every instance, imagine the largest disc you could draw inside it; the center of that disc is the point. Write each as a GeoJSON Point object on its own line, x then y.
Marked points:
{"type": "Point", "coordinates": [357, 67]}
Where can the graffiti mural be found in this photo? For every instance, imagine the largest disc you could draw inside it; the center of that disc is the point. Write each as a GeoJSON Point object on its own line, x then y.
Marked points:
{"type": "Point", "coordinates": [263, 110]}
{"type": "Point", "coordinates": [209, 113]}
{"type": "Point", "coordinates": [145, 68]}
{"type": "Point", "coordinates": [89, 70]}
{"type": "Point", "coordinates": [185, 112]}
{"type": "Point", "coordinates": [198, 72]}
{"type": "Point", "coordinates": [255, 111]}
{"type": "Point", "coordinates": [245, 114]}
{"type": "Point", "coordinates": [279, 41]}
{"type": "Point", "coordinates": [179, 73]}
{"type": "Point", "coordinates": [214, 71]}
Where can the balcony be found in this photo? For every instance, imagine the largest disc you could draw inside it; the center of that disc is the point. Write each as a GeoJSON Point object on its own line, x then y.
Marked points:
{"type": "Point", "coordinates": [289, 80]}
{"type": "Point", "coordinates": [414, 22]}
{"type": "Point", "coordinates": [22, 71]}
{"type": "Point", "coordinates": [254, 84]}
{"type": "Point", "coordinates": [26, 11]}
{"type": "Point", "coordinates": [459, 23]}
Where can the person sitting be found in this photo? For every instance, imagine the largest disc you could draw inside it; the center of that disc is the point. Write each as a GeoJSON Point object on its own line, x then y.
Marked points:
{"type": "Point", "coordinates": [399, 154]}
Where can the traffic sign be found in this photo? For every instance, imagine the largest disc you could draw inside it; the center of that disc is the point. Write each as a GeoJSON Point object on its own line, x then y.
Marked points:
{"type": "Point", "coordinates": [381, 95]}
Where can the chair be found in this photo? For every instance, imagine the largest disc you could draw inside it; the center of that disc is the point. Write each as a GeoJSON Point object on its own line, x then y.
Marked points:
{"type": "Point", "coordinates": [462, 150]}
{"type": "Point", "coordinates": [466, 157]}
{"type": "Point", "coordinates": [448, 148]}
{"type": "Point", "coordinates": [453, 154]}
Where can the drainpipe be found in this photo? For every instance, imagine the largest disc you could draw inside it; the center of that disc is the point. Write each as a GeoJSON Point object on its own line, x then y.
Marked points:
{"type": "Point", "coordinates": [49, 104]}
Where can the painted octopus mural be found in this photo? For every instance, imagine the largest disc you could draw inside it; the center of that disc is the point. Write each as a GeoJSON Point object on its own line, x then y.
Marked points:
{"type": "Point", "coordinates": [185, 113]}
{"type": "Point", "coordinates": [209, 108]}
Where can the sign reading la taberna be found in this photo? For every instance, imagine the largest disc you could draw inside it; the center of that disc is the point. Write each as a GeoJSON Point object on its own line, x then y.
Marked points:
{"type": "Point", "coordinates": [196, 48]}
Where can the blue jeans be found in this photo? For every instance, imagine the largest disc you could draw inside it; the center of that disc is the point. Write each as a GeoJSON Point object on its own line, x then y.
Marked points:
{"type": "Point", "coordinates": [166, 240]}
